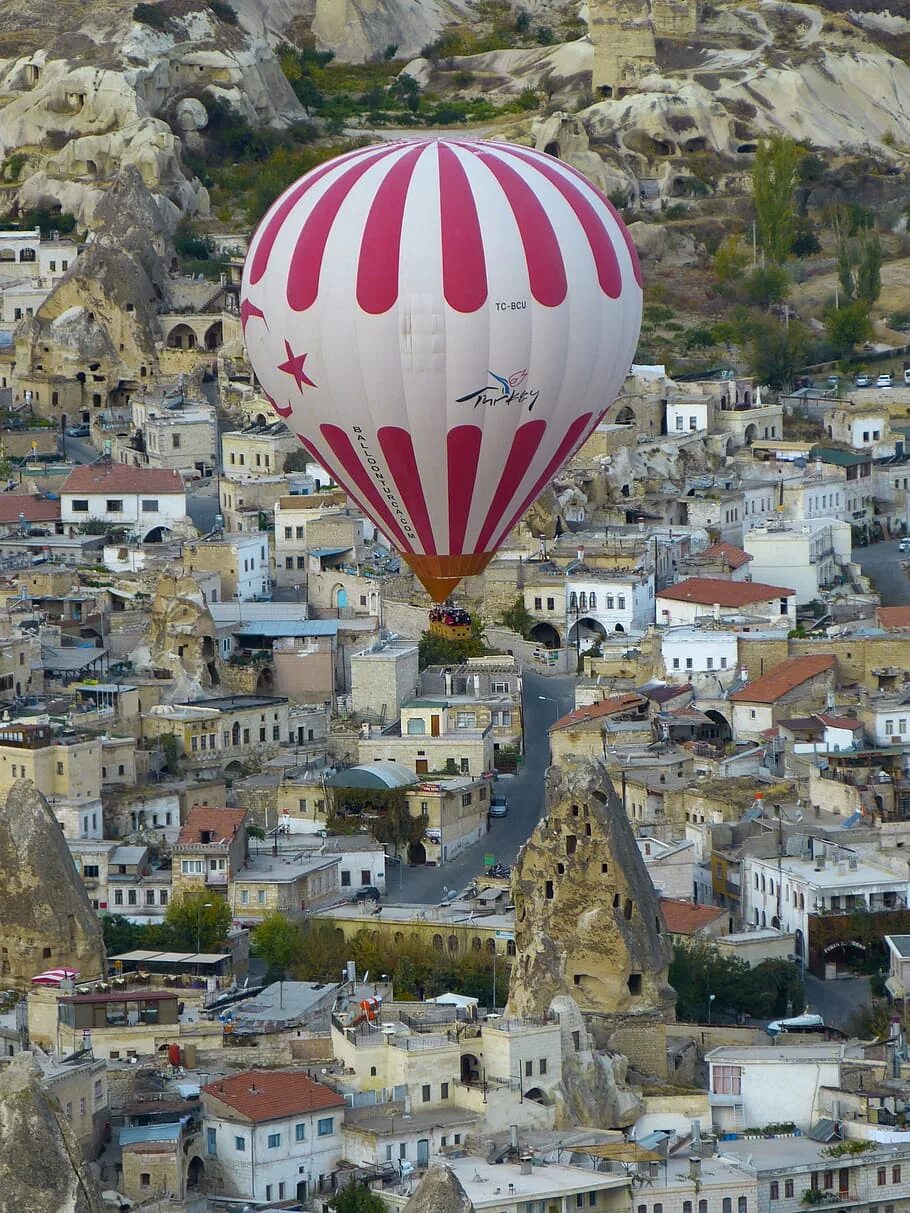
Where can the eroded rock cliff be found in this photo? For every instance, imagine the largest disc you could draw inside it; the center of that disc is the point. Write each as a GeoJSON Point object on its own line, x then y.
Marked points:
{"type": "Point", "coordinates": [41, 1166]}
{"type": "Point", "coordinates": [46, 920]}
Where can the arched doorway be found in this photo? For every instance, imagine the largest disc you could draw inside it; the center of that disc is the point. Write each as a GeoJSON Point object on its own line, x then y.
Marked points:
{"type": "Point", "coordinates": [339, 598]}
{"type": "Point", "coordinates": [625, 416]}
{"type": "Point", "coordinates": [552, 149]}
{"type": "Point", "coordinates": [181, 337]}
{"type": "Point", "coordinates": [213, 336]}
{"type": "Point", "coordinates": [195, 1174]}
{"type": "Point", "coordinates": [265, 683]}
{"type": "Point", "coordinates": [545, 634]}
{"type": "Point", "coordinates": [417, 853]}
{"type": "Point", "coordinates": [722, 725]}
{"type": "Point", "coordinates": [585, 633]}
{"type": "Point", "coordinates": [751, 434]}
{"type": "Point", "coordinates": [536, 1095]}
{"type": "Point", "coordinates": [470, 1068]}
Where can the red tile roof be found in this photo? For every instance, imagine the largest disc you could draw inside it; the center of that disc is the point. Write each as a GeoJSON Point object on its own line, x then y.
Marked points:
{"type": "Point", "coordinates": [783, 678]}
{"type": "Point", "coordinates": [893, 617]}
{"type": "Point", "coordinates": [686, 918]}
{"type": "Point", "coordinates": [708, 590]}
{"type": "Point", "coordinates": [734, 556]}
{"type": "Point", "coordinates": [107, 477]}
{"type": "Point", "coordinates": [221, 824]}
{"type": "Point", "coordinates": [596, 711]}
{"type": "Point", "coordinates": [35, 509]}
{"type": "Point", "coordinates": [260, 1095]}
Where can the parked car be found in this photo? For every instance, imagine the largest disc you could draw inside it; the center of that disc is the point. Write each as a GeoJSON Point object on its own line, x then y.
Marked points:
{"type": "Point", "coordinates": [907, 375]}
{"type": "Point", "coordinates": [904, 545]}
{"type": "Point", "coordinates": [367, 892]}
{"type": "Point", "coordinates": [863, 380]}
{"type": "Point", "coordinates": [833, 381]}
{"type": "Point", "coordinates": [78, 431]}
{"type": "Point", "coordinates": [885, 380]}
{"type": "Point", "coordinates": [499, 806]}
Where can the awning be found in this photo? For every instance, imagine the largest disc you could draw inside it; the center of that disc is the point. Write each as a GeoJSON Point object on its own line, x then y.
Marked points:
{"type": "Point", "coordinates": [54, 977]}
{"type": "Point", "coordinates": [895, 988]}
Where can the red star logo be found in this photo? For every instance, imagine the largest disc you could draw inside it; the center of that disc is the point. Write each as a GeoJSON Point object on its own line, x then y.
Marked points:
{"type": "Point", "coordinates": [247, 310]}
{"type": "Point", "coordinates": [294, 366]}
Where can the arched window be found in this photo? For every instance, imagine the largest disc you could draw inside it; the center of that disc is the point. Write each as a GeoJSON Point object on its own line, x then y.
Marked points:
{"type": "Point", "coordinates": [417, 725]}
{"type": "Point", "coordinates": [583, 601]}
{"type": "Point", "coordinates": [573, 601]}
{"type": "Point", "coordinates": [592, 601]}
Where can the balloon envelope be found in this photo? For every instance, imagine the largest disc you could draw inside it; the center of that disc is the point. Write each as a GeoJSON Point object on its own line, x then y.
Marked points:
{"type": "Point", "coordinates": [442, 323]}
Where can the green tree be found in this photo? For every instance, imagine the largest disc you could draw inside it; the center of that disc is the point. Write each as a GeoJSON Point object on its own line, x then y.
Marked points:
{"type": "Point", "coordinates": [859, 258]}
{"type": "Point", "coordinates": [730, 260]}
{"type": "Point", "coordinates": [397, 828]}
{"type": "Point", "coordinates": [518, 618]}
{"type": "Point", "coordinates": [773, 179]}
{"type": "Point", "coordinates": [322, 953]}
{"type": "Point", "coordinates": [846, 327]}
{"type": "Point", "coordinates": [766, 285]}
{"type": "Point", "coordinates": [277, 941]}
{"type": "Point", "coordinates": [197, 915]}
{"type": "Point", "coordinates": [120, 935]}
{"type": "Point", "coordinates": [439, 650]}
{"type": "Point", "coordinates": [775, 351]}
{"type": "Point", "coordinates": [357, 1198]}
{"type": "Point", "coordinates": [407, 90]}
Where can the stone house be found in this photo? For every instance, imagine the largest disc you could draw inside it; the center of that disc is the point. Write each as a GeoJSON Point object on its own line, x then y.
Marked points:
{"type": "Point", "coordinates": [584, 731]}
{"type": "Point", "coordinates": [383, 677]}
{"type": "Point", "coordinates": [797, 686]}
{"type": "Point", "coordinates": [210, 850]}
{"type": "Point", "coordinates": [258, 449]}
{"type": "Point", "coordinates": [247, 502]}
{"type": "Point", "coordinates": [270, 1135]}
{"type": "Point", "coordinates": [80, 1086]}
{"type": "Point", "coordinates": [292, 516]}
{"type": "Point", "coordinates": [145, 500]}
{"type": "Point", "coordinates": [183, 440]}
{"type": "Point", "coordinates": [491, 688]}
{"type": "Point", "coordinates": [289, 885]}
{"type": "Point", "coordinates": [698, 597]}
{"type": "Point", "coordinates": [430, 738]}
{"type": "Point", "coordinates": [241, 561]}
{"type": "Point", "coordinates": [66, 770]}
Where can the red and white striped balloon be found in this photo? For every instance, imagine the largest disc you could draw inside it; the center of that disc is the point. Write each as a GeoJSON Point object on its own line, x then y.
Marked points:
{"type": "Point", "coordinates": [442, 323]}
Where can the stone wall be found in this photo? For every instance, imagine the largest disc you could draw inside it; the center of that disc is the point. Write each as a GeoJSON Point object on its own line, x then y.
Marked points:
{"type": "Point", "coordinates": [640, 1038]}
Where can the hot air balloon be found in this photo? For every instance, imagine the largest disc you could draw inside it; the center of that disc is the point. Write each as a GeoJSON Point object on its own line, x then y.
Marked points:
{"type": "Point", "coordinates": [442, 323]}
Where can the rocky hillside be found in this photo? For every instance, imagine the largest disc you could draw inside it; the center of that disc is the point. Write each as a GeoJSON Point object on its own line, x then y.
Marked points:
{"type": "Point", "coordinates": [87, 89]}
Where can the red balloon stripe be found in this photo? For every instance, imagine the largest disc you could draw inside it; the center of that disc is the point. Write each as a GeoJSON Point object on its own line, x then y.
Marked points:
{"type": "Point", "coordinates": [464, 269]}
{"type": "Point", "coordinates": [358, 475]}
{"type": "Point", "coordinates": [380, 248]}
{"type": "Point", "coordinates": [398, 449]}
{"type": "Point", "coordinates": [524, 447]}
{"type": "Point", "coordinates": [463, 451]}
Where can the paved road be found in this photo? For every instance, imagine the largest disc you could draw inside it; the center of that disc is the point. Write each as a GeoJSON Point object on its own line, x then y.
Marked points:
{"type": "Point", "coordinates": [525, 793]}
{"type": "Point", "coordinates": [884, 564]}
{"type": "Point", "coordinates": [840, 1001]}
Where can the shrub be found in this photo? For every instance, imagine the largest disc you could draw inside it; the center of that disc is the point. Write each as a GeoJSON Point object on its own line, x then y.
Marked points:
{"type": "Point", "coordinates": [151, 15]}
{"type": "Point", "coordinates": [223, 11]}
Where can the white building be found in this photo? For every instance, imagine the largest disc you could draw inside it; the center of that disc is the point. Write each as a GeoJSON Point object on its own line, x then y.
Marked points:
{"type": "Point", "coordinates": [241, 559]}
{"type": "Point", "coordinates": [758, 1085]}
{"type": "Point", "coordinates": [148, 501]}
{"type": "Point", "coordinates": [671, 866]}
{"type": "Point", "coordinates": [271, 1135]}
{"type": "Point", "coordinates": [689, 652]}
{"type": "Point", "coordinates": [888, 720]}
{"type": "Point", "coordinates": [22, 254]}
{"type": "Point", "coordinates": [601, 605]}
{"type": "Point", "coordinates": [811, 556]}
{"type": "Point", "coordinates": [700, 597]}
{"type": "Point", "coordinates": [688, 414]}
{"type": "Point", "coordinates": [783, 892]}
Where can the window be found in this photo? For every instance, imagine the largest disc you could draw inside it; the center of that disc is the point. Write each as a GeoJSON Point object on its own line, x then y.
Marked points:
{"type": "Point", "coordinates": [80, 506]}
{"type": "Point", "coordinates": [114, 505]}
{"type": "Point", "coordinates": [240, 1144]}
{"type": "Point", "coordinates": [710, 663]}
{"type": "Point", "coordinates": [741, 1205]}
{"type": "Point", "coordinates": [192, 867]}
{"type": "Point", "coordinates": [150, 505]}
{"type": "Point", "coordinates": [726, 1080]}
{"type": "Point", "coordinates": [688, 663]}
{"type": "Point", "coordinates": [774, 1193]}
{"type": "Point", "coordinates": [326, 1126]}
{"type": "Point", "coordinates": [675, 663]}
{"type": "Point", "coordinates": [145, 1179]}
{"type": "Point", "coordinates": [118, 897]}
{"type": "Point", "coordinates": [538, 602]}
{"type": "Point", "coordinates": [687, 1206]}
{"type": "Point", "coordinates": [679, 422]}
{"type": "Point", "coordinates": [274, 1141]}
{"type": "Point", "coordinates": [551, 604]}
{"type": "Point", "coordinates": [542, 1065]}
{"type": "Point", "coordinates": [788, 1187]}
{"type": "Point", "coordinates": [425, 1092]}
{"type": "Point", "coordinates": [621, 602]}
{"type": "Point", "coordinates": [727, 1204]}
{"type": "Point", "coordinates": [345, 880]}
{"type": "Point", "coordinates": [882, 1176]}
{"type": "Point", "coordinates": [529, 1069]}
{"type": "Point", "coordinates": [268, 1191]}
{"type": "Point", "coordinates": [300, 1132]}
{"type": "Point", "coordinates": [211, 1142]}
{"type": "Point", "coordinates": [444, 1090]}
{"type": "Point", "coordinates": [895, 1175]}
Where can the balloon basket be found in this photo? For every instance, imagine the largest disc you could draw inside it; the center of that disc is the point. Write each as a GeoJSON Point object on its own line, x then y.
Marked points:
{"type": "Point", "coordinates": [449, 622]}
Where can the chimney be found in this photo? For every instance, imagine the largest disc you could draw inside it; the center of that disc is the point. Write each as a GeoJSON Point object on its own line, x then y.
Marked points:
{"type": "Point", "coordinates": [716, 610]}
{"type": "Point", "coordinates": [696, 1134]}
{"type": "Point", "coordinates": [513, 1136]}
{"type": "Point", "coordinates": [448, 678]}
{"type": "Point", "coordinates": [743, 674]}
{"type": "Point", "coordinates": [694, 1167]}
{"type": "Point", "coordinates": [526, 1164]}
{"type": "Point", "coordinates": [580, 555]}
{"type": "Point", "coordinates": [476, 681]}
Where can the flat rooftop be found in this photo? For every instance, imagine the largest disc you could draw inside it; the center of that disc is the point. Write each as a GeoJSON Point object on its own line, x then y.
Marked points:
{"type": "Point", "coordinates": [283, 1002]}
{"type": "Point", "coordinates": [456, 913]}
{"type": "Point", "coordinates": [787, 1153]}
{"type": "Point", "coordinates": [850, 879]}
{"type": "Point", "coordinates": [485, 1182]}
{"type": "Point", "coordinates": [791, 1054]}
{"type": "Point", "coordinates": [271, 869]}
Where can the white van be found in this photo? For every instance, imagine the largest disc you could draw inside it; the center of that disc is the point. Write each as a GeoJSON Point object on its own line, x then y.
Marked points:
{"type": "Point", "coordinates": [907, 376]}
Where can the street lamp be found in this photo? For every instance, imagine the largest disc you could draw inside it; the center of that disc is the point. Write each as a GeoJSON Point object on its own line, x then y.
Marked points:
{"type": "Point", "coordinates": [711, 998]}
{"type": "Point", "coordinates": [206, 905]}
{"type": "Point", "coordinates": [550, 699]}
